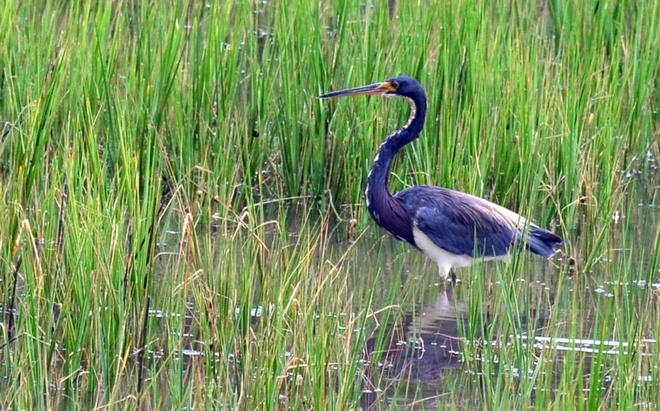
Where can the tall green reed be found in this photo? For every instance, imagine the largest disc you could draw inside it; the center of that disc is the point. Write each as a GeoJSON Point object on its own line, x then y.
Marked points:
{"type": "Point", "coordinates": [142, 143]}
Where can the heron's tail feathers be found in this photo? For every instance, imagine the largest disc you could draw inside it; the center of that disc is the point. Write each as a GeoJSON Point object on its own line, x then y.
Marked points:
{"type": "Point", "coordinates": [543, 242]}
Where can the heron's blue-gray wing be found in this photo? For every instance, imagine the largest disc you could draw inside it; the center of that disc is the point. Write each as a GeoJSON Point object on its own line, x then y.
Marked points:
{"type": "Point", "coordinates": [461, 223]}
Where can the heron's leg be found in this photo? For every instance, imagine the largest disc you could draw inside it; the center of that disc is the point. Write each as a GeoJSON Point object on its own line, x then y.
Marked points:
{"type": "Point", "coordinates": [447, 277]}
{"type": "Point", "coordinates": [452, 273]}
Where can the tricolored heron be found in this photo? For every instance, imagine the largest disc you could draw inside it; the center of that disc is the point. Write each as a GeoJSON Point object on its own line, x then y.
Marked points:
{"type": "Point", "coordinates": [452, 228]}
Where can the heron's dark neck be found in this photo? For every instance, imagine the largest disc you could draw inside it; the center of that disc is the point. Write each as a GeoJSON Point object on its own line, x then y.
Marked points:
{"type": "Point", "coordinates": [379, 199]}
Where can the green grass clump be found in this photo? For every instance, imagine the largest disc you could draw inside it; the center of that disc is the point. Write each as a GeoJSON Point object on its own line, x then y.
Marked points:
{"type": "Point", "coordinates": [184, 224]}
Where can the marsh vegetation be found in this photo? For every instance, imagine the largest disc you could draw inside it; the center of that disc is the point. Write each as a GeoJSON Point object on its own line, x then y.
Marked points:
{"type": "Point", "coordinates": [184, 222]}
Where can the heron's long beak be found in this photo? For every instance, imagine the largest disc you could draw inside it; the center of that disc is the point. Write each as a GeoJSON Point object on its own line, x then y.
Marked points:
{"type": "Point", "coordinates": [376, 89]}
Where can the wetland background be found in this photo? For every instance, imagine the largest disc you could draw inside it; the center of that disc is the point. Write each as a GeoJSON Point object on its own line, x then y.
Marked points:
{"type": "Point", "coordinates": [185, 223]}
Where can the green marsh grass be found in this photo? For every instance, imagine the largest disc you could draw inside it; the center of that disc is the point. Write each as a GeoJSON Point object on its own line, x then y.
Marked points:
{"type": "Point", "coordinates": [178, 205]}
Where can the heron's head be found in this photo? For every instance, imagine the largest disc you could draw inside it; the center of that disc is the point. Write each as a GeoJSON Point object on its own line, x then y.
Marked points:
{"type": "Point", "coordinates": [401, 86]}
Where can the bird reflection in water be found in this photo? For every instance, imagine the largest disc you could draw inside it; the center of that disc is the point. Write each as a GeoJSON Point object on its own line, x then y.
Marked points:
{"type": "Point", "coordinates": [426, 344]}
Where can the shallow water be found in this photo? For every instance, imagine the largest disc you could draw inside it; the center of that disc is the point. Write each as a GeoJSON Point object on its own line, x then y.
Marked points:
{"type": "Point", "coordinates": [426, 351]}
{"type": "Point", "coordinates": [440, 355]}
{"type": "Point", "coordinates": [443, 344]}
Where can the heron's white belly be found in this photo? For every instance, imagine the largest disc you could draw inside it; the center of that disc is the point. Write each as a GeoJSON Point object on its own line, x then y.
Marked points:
{"type": "Point", "coordinates": [446, 260]}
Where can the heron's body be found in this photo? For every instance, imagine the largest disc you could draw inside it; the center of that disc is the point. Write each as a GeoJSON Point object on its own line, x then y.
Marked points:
{"type": "Point", "coordinates": [450, 227]}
